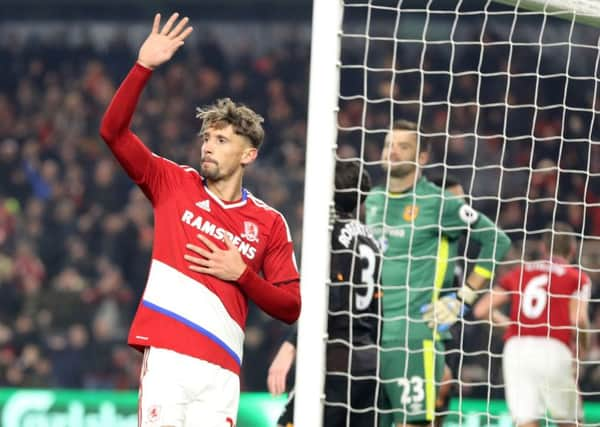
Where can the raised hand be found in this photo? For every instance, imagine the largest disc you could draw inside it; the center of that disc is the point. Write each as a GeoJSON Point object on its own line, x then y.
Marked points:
{"type": "Point", "coordinates": [161, 45]}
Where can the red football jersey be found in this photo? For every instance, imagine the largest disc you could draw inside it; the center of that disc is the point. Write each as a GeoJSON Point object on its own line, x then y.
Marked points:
{"type": "Point", "coordinates": [540, 295]}
{"type": "Point", "coordinates": [182, 310]}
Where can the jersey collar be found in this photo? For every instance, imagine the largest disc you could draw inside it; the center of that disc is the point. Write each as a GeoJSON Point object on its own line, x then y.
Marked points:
{"type": "Point", "coordinates": [558, 260]}
{"type": "Point", "coordinates": [223, 204]}
{"type": "Point", "coordinates": [407, 191]}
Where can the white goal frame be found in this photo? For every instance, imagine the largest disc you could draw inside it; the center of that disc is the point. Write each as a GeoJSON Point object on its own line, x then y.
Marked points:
{"type": "Point", "coordinates": [318, 195]}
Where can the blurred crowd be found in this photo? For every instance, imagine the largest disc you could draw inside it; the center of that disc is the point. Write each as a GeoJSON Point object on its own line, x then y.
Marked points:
{"type": "Point", "coordinates": [76, 234]}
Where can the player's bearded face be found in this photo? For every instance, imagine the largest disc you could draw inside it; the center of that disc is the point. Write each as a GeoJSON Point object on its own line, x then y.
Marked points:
{"type": "Point", "coordinates": [399, 154]}
{"type": "Point", "coordinates": [222, 152]}
{"type": "Point", "coordinates": [209, 168]}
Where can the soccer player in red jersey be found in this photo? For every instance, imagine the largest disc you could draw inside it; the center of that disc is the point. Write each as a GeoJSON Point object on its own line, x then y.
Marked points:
{"type": "Point", "coordinates": [190, 321]}
{"type": "Point", "coordinates": [548, 303]}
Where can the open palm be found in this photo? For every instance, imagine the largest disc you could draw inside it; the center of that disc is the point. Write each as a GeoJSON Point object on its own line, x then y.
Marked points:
{"type": "Point", "coordinates": [160, 46]}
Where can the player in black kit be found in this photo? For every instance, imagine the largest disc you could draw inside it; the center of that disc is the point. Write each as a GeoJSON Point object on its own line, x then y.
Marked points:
{"type": "Point", "coordinates": [353, 321]}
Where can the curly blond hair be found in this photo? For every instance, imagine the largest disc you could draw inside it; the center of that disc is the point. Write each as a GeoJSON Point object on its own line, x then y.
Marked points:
{"type": "Point", "coordinates": [225, 112]}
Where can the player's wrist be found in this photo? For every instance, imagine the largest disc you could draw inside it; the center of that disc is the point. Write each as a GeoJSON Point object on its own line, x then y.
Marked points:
{"type": "Point", "coordinates": [241, 271]}
{"type": "Point", "coordinates": [467, 294]}
{"type": "Point", "coordinates": [247, 276]}
{"type": "Point", "coordinates": [145, 64]}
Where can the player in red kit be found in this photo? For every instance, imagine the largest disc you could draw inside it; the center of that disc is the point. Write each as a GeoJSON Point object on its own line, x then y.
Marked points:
{"type": "Point", "coordinates": [190, 321]}
{"type": "Point", "coordinates": [548, 304]}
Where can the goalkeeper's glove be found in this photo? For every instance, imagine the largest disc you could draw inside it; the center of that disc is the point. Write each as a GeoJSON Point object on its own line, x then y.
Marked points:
{"type": "Point", "coordinates": [447, 310]}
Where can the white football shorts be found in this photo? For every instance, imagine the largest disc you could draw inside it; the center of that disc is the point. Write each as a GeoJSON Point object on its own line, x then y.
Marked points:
{"type": "Point", "coordinates": [539, 376]}
{"type": "Point", "coordinates": [181, 391]}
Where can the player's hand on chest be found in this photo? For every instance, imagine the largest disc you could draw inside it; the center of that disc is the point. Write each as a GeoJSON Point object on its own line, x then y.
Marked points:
{"type": "Point", "coordinates": [208, 219]}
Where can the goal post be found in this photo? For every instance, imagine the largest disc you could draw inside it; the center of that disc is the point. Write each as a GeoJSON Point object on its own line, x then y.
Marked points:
{"type": "Point", "coordinates": [507, 91]}
{"type": "Point", "coordinates": [318, 196]}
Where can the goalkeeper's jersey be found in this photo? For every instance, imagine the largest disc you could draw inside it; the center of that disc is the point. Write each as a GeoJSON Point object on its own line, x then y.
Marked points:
{"type": "Point", "coordinates": [415, 228]}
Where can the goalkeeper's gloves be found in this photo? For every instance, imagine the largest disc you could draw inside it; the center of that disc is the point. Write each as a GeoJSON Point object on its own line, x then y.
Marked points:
{"type": "Point", "coordinates": [447, 310]}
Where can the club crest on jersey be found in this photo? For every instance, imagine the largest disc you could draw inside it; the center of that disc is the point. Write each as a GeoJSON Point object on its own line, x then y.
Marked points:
{"type": "Point", "coordinates": [250, 231]}
{"type": "Point", "coordinates": [211, 229]}
{"type": "Point", "coordinates": [411, 212]}
{"type": "Point", "coordinates": [153, 414]}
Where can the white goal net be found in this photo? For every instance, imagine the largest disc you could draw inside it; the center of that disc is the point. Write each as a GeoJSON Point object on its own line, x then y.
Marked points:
{"type": "Point", "coordinates": [508, 95]}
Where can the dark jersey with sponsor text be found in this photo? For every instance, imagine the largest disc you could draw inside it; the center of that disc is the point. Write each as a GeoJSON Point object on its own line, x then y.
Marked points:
{"type": "Point", "coordinates": [354, 295]}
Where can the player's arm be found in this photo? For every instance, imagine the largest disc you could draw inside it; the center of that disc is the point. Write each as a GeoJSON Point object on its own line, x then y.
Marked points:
{"type": "Point", "coordinates": [488, 307]}
{"type": "Point", "coordinates": [494, 245]}
{"type": "Point", "coordinates": [282, 363]}
{"type": "Point", "coordinates": [459, 218]}
{"type": "Point", "coordinates": [278, 299]}
{"type": "Point", "coordinates": [277, 293]}
{"type": "Point", "coordinates": [158, 48]}
{"type": "Point", "coordinates": [579, 314]}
